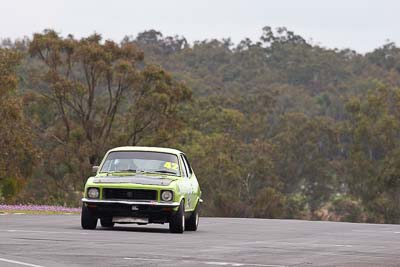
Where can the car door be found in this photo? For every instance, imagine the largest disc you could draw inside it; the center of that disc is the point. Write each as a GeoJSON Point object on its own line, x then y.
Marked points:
{"type": "Point", "coordinates": [193, 184]}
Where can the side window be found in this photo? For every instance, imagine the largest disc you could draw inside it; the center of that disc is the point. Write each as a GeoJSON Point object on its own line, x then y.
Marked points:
{"type": "Point", "coordinates": [185, 168]}
{"type": "Point", "coordinates": [188, 165]}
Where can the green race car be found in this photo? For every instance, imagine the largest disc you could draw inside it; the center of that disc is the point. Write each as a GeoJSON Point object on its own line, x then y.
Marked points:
{"type": "Point", "coordinates": [142, 185]}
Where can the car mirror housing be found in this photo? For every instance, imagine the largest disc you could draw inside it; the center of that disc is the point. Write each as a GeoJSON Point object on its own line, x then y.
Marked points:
{"type": "Point", "coordinates": [95, 169]}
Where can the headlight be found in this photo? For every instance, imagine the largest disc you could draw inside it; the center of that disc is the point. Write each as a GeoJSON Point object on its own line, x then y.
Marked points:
{"type": "Point", "coordinates": [166, 195]}
{"type": "Point", "coordinates": [93, 193]}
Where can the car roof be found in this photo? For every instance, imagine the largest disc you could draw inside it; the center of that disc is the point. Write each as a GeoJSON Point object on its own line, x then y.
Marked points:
{"type": "Point", "coordinates": [146, 148]}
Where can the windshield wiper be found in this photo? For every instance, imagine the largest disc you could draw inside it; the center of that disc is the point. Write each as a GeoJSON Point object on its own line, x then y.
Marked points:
{"type": "Point", "coordinates": [127, 170]}
{"type": "Point", "coordinates": [143, 172]}
{"type": "Point", "coordinates": [164, 171]}
{"type": "Point", "coordinates": [157, 171]}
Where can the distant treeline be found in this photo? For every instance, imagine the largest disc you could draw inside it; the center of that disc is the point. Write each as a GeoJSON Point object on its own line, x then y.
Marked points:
{"type": "Point", "coordinates": [274, 128]}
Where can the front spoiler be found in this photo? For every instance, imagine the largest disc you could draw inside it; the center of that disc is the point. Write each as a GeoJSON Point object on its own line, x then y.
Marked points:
{"type": "Point", "coordinates": [127, 202]}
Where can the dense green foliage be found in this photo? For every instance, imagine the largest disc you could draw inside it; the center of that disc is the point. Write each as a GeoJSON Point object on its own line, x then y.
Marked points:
{"type": "Point", "coordinates": [277, 128]}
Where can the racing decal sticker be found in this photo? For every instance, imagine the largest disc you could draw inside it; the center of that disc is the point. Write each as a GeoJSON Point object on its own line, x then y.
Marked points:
{"type": "Point", "coordinates": [171, 165]}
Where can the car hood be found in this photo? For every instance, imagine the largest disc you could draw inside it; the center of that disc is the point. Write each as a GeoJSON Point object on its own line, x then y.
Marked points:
{"type": "Point", "coordinates": [145, 180]}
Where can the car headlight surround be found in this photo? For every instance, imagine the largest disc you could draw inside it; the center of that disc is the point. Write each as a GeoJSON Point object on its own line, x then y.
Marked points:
{"type": "Point", "coordinates": [166, 195]}
{"type": "Point", "coordinates": [93, 192]}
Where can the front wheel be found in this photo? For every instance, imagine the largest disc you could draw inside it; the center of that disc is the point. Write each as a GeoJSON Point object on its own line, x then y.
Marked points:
{"type": "Point", "coordinates": [193, 222]}
{"type": "Point", "coordinates": [88, 220]}
{"type": "Point", "coordinates": [177, 221]}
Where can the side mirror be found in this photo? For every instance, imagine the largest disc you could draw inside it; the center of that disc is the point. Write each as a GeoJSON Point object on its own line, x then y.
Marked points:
{"type": "Point", "coordinates": [95, 169]}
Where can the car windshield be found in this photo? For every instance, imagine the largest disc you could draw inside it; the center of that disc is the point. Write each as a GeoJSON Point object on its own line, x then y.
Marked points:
{"type": "Point", "coordinates": [141, 161]}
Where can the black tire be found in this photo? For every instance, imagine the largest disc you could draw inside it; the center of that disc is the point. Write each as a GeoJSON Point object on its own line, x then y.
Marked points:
{"type": "Point", "coordinates": [88, 220]}
{"type": "Point", "coordinates": [193, 222]}
{"type": "Point", "coordinates": [177, 221]}
{"type": "Point", "coordinates": [106, 222]}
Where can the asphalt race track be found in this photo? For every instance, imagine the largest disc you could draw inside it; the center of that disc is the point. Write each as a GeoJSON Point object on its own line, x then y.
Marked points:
{"type": "Point", "coordinates": [33, 240]}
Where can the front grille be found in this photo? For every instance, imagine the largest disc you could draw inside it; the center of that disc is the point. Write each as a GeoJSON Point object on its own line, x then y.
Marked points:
{"type": "Point", "coordinates": [132, 194]}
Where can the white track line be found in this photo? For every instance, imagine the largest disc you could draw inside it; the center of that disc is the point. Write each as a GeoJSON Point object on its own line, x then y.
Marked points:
{"type": "Point", "coordinates": [239, 264]}
{"type": "Point", "coordinates": [20, 263]}
{"type": "Point", "coordinates": [347, 246]}
{"type": "Point", "coordinates": [217, 263]}
{"type": "Point", "coordinates": [146, 259]}
{"type": "Point", "coordinates": [47, 232]}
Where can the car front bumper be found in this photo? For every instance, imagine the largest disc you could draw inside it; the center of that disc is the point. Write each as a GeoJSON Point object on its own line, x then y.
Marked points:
{"type": "Point", "coordinates": [156, 212]}
{"type": "Point", "coordinates": [127, 202]}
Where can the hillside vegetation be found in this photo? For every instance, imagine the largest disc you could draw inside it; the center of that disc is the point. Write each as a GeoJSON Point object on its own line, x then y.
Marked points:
{"type": "Point", "coordinates": [275, 128]}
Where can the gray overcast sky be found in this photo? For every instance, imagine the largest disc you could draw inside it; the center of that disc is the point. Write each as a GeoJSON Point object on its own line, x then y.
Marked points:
{"type": "Point", "coordinates": [357, 24]}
